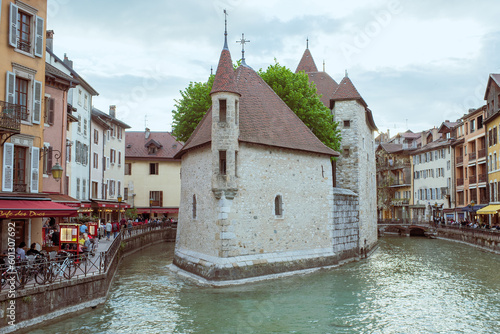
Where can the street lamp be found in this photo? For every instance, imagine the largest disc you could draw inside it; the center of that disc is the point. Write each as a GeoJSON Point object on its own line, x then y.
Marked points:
{"type": "Point", "coordinates": [150, 206]}
{"type": "Point", "coordinates": [55, 170]}
{"type": "Point", "coordinates": [119, 198]}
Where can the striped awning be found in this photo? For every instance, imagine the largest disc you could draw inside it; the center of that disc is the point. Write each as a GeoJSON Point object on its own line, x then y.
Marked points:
{"type": "Point", "coordinates": [489, 209]}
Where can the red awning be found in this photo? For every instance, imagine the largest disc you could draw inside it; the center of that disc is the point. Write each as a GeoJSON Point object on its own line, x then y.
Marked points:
{"type": "Point", "coordinates": [158, 210]}
{"type": "Point", "coordinates": [33, 209]}
{"type": "Point", "coordinates": [111, 205]}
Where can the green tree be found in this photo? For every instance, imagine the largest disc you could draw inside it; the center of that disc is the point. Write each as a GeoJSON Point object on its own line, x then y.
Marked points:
{"type": "Point", "coordinates": [191, 108]}
{"type": "Point", "coordinates": [293, 88]}
{"type": "Point", "coordinates": [301, 96]}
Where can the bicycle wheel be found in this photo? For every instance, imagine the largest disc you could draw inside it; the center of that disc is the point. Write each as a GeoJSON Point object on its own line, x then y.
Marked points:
{"type": "Point", "coordinates": [70, 270]}
{"type": "Point", "coordinates": [41, 273]}
{"type": "Point", "coordinates": [21, 277]}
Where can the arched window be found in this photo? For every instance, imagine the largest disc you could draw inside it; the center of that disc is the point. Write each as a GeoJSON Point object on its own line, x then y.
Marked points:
{"type": "Point", "coordinates": [194, 206]}
{"type": "Point", "coordinates": [278, 206]}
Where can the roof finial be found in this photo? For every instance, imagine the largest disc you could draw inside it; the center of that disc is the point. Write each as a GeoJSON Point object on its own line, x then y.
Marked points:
{"type": "Point", "coordinates": [323, 65]}
{"type": "Point", "coordinates": [346, 73]}
{"type": "Point", "coordinates": [307, 42]}
{"type": "Point", "coordinates": [225, 30]}
{"type": "Point", "coordinates": [211, 70]}
{"type": "Point", "coordinates": [242, 41]}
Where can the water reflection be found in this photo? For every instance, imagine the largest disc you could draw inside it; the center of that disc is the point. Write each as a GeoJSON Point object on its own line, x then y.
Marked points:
{"type": "Point", "coordinates": [410, 285]}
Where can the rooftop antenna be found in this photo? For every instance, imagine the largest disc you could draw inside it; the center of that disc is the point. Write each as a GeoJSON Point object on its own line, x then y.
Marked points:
{"type": "Point", "coordinates": [225, 30]}
{"type": "Point", "coordinates": [242, 41]}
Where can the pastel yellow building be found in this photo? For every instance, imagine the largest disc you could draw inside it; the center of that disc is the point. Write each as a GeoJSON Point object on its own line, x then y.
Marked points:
{"type": "Point", "coordinates": [492, 124]}
{"type": "Point", "coordinates": [22, 67]}
{"type": "Point", "coordinates": [152, 175]}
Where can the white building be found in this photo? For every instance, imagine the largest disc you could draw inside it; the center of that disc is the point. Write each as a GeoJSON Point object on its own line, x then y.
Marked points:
{"type": "Point", "coordinates": [432, 177]}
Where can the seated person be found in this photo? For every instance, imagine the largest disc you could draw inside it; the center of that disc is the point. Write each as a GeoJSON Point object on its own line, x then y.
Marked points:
{"type": "Point", "coordinates": [33, 251]}
{"type": "Point", "coordinates": [21, 254]}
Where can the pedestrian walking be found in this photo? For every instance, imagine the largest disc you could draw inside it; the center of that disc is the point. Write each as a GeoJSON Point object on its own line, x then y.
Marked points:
{"type": "Point", "coordinates": [108, 230]}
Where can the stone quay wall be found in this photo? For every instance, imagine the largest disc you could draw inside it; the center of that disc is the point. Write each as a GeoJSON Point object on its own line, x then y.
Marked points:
{"type": "Point", "coordinates": [34, 305]}
{"type": "Point", "coordinates": [488, 240]}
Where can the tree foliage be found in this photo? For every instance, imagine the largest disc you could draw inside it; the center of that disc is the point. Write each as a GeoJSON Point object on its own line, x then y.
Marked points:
{"type": "Point", "coordinates": [301, 96]}
{"type": "Point", "coordinates": [191, 108]}
{"type": "Point", "coordinates": [293, 88]}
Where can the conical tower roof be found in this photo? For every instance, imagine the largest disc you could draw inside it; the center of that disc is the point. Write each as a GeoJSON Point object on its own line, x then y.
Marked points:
{"type": "Point", "coordinates": [224, 77]}
{"type": "Point", "coordinates": [347, 91]}
{"type": "Point", "coordinates": [307, 64]}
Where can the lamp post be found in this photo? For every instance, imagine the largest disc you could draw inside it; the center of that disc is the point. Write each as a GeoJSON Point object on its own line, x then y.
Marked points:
{"type": "Point", "coordinates": [119, 198]}
{"type": "Point", "coordinates": [472, 203]}
{"type": "Point", "coordinates": [435, 211]}
{"type": "Point", "coordinates": [150, 206]}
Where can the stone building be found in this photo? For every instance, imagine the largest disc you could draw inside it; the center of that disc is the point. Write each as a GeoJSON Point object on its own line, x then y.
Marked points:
{"type": "Point", "coordinates": [355, 168]}
{"type": "Point", "coordinates": [257, 193]}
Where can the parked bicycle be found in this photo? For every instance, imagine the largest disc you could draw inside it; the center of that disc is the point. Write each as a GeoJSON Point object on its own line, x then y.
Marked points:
{"type": "Point", "coordinates": [63, 266]}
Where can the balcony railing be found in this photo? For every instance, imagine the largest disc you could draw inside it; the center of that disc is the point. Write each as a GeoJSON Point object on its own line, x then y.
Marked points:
{"type": "Point", "coordinates": [481, 153]}
{"type": "Point", "coordinates": [11, 116]}
{"type": "Point", "coordinates": [472, 156]}
{"type": "Point", "coordinates": [24, 45]}
{"type": "Point", "coordinates": [20, 187]}
{"type": "Point", "coordinates": [156, 203]}
{"type": "Point", "coordinates": [460, 182]}
{"type": "Point", "coordinates": [482, 178]}
{"type": "Point", "coordinates": [472, 179]}
{"type": "Point", "coordinates": [460, 160]}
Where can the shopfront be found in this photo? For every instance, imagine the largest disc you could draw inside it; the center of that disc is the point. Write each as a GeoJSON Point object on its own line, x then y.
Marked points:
{"type": "Point", "coordinates": [26, 217]}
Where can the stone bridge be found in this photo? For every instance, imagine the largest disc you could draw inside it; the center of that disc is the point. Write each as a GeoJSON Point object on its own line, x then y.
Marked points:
{"type": "Point", "coordinates": [406, 228]}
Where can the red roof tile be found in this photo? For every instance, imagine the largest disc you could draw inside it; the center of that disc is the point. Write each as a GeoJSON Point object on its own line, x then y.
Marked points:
{"type": "Point", "coordinates": [264, 119]}
{"type": "Point", "coordinates": [347, 91]}
{"type": "Point", "coordinates": [325, 86]}
{"type": "Point", "coordinates": [224, 77]}
{"type": "Point", "coordinates": [136, 145]}
{"type": "Point", "coordinates": [306, 64]}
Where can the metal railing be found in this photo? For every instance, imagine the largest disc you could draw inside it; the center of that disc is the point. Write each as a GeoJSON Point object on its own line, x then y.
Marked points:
{"type": "Point", "coordinates": [57, 267]}
{"type": "Point", "coordinates": [11, 116]}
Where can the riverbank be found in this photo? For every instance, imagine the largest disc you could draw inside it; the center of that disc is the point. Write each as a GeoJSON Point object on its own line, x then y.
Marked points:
{"type": "Point", "coordinates": [35, 304]}
{"type": "Point", "coordinates": [486, 240]}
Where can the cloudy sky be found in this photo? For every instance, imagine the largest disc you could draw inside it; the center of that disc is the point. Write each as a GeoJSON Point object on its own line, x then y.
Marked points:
{"type": "Point", "coordinates": [416, 63]}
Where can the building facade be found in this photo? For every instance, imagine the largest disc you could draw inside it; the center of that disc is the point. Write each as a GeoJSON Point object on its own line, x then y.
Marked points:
{"type": "Point", "coordinates": [152, 174]}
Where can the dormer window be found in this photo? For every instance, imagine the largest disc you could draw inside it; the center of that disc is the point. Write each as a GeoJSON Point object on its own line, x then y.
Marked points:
{"type": "Point", "coordinates": [152, 149]}
{"type": "Point", "coordinates": [222, 110]}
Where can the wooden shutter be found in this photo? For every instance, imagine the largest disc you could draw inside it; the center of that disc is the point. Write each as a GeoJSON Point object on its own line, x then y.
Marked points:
{"type": "Point", "coordinates": [37, 101]}
{"type": "Point", "coordinates": [10, 89]}
{"type": "Point", "coordinates": [8, 167]}
{"type": "Point", "coordinates": [50, 118]}
{"type": "Point", "coordinates": [35, 155]}
{"type": "Point", "coordinates": [161, 198]}
{"type": "Point", "coordinates": [13, 25]}
{"type": "Point", "coordinates": [39, 31]}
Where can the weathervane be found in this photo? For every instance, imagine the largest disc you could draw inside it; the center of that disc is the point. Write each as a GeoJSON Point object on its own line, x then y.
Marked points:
{"type": "Point", "coordinates": [225, 30]}
{"type": "Point", "coordinates": [242, 41]}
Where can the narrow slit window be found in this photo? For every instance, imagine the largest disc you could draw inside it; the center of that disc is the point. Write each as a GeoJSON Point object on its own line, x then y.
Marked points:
{"type": "Point", "coordinates": [278, 206]}
{"type": "Point", "coordinates": [222, 110]}
{"type": "Point", "coordinates": [194, 206]}
{"type": "Point", "coordinates": [222, 162]}
{"type": "Point", "coordinates": [236, 112]}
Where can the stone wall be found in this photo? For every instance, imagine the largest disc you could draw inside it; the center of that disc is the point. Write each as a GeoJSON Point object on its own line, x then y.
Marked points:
{"type": "Point", "coordinates": [318, 229]}
{"type": "Point", "coordinates": [346, 224]}
{"type": "Point", "coordinates": [357, 170]}
{"type": "Point", "coordinates": [34, 305]}
{"type": "Point", "coordinates": [484, 239]}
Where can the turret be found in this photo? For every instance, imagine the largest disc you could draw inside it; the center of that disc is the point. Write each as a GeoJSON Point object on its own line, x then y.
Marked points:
{"type": "Point", "coordinates": [225, 127]}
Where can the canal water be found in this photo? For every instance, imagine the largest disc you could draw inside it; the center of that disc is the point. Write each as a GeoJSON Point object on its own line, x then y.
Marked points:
{"type": "Point", "coordinates": [409, 285]}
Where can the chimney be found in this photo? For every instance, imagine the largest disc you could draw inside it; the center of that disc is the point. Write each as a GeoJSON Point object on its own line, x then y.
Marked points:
{"type": "Point", "coordinates": [68, 62]}
{"type": "Point", "coordinates": [147, 133]}
{"type": "Point", "coordinates": [49, 37]}
{"type": "Point", "coordinates": [112, 111]}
